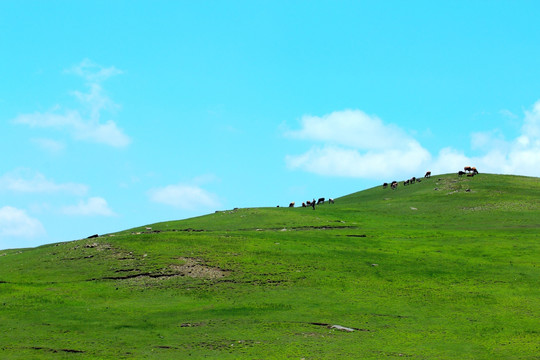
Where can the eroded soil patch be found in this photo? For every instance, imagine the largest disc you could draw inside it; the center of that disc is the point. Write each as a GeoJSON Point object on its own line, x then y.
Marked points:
{"type": "Point", "coordinates": [192, 267]}
{"type": "Point", "coordinates": [196, 269]}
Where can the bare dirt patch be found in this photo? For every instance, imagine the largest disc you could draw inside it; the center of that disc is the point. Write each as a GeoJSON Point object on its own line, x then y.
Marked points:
{"type": "Point", "coordinates": [196, 269]}
{"type": "Point", "coordinates": [192, 267]}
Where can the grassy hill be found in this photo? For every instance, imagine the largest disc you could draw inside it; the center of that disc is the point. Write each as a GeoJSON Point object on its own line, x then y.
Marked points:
{"type": "Point", "coordinates": [448, 268]}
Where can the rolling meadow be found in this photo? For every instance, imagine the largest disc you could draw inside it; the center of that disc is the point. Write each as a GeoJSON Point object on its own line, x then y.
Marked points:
{"type": "Point", "coordinates": [445, 268]}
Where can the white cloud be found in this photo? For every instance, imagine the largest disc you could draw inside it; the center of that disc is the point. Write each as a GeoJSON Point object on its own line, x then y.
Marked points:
{"type": "Point", "coordinates": [531, 124]}
{"type": "Point", "coordinates": [27, 181]}
{"type": "Point", "coordinates": [357, 145]}
{"type": "Point", "coordinates": [520, 156]}
{"type": "Point", "coordinates": [486, 140]}
{"type": "Point", "coordinates": [16, 223]}
{"type": "Point", "coordinates": [95, 101]}
{"type": "Point", "coordinates": [49, 145]}
{"type": "Point", "coordinates": [186, 197]}
{"type": "Point", "coordinates": [508, 114]}
{"type": "Point", "coordinates": [93, 72]}
{"type": "Point", "coordinates": [79, 128]}
{"type": "Point", "coordinates": [90, 127]}
{"type": "Point", "coordinates": [338, 161]}
{"type": "Point", "coordinates": [352, 128]}
{"type": "Point", "coordinates": [94, 206]}
{"type": "Point", "coordinates": [363, 146]}
{"type": "Point", "coordinates": [450, 160]}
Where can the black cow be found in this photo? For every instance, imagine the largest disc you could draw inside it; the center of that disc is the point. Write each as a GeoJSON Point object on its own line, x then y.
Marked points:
{"type": "Point", "coordinates": [320, 201]}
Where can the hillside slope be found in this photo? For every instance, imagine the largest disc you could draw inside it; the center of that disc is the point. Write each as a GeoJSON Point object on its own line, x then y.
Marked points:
{"type": "Point", "coordinates": [446, 268]}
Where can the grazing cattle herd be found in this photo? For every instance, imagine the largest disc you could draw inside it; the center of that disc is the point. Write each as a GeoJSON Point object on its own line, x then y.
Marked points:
{"type": "Point", "coordinates": [468, 170]}
{"type": "Point", "coordinates": [312, 203]}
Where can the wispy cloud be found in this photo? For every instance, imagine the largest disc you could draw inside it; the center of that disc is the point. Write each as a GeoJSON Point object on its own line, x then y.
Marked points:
{"type": "Point", "coordinates": [508, 114]}
{"type": "Point", "coordinates": [49, 145]}
{"type": "Point", "coordinates": [93, 72]}
{"type": "Point", "coordinates": [184, 196]}
{"type": "Point", "coordinates": [85, 123]}
{"type": "Point", "coordinates": [94, 206]}
{"type": "Point", "coordinates": [27, 181]}
{"type": "Point", "coordinates": [15, 223]}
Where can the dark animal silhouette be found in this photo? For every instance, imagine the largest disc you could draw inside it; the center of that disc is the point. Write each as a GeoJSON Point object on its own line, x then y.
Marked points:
{"type": "Point", "coordinates": [385, 185]}
{"type": "Point", "coordinates": [428, 174]}
{"type": "Point", "coordinates": [320, 201]}
{"type": "Point", "coordinates": [291, 204]}
{"type": "Point", "coordinates": [471, 169]}
{"type": "Point", "coordinates": [330, 201]}
{"type": "Point", "coordinates": [461, 173]}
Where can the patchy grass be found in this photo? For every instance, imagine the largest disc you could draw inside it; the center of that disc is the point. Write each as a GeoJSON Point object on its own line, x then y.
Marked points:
{"type": "Point", "coordinates": [458, 276]}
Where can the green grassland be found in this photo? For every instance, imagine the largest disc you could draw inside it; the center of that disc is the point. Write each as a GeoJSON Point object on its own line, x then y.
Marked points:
{"type": "Point", "coordinates": [448, 268]}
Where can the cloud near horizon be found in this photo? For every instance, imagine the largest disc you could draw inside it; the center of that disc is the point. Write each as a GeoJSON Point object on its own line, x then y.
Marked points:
{"type": "Point", "coordinates": [519, 156]}
{"type": "Point", "coordinates": [185, 197]}
{"type": "Point", "coordinates": [358, 145]}
{"type": "Point", "coordinates": [94, 206]}
{"type": "Point", "coordinates": [26, 181]}
{"type": "Point", "coordinates": [16, 223]}
{"type": "Point", "coordinates": [86, 123]}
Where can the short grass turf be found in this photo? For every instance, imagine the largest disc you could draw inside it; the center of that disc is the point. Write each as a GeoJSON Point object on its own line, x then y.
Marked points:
{"type": "Point", "coordinates": [448, 268]}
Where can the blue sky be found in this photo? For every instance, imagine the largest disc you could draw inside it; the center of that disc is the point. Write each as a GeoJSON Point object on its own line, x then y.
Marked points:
{"type": "Point", "coordinates": [116, 114]}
